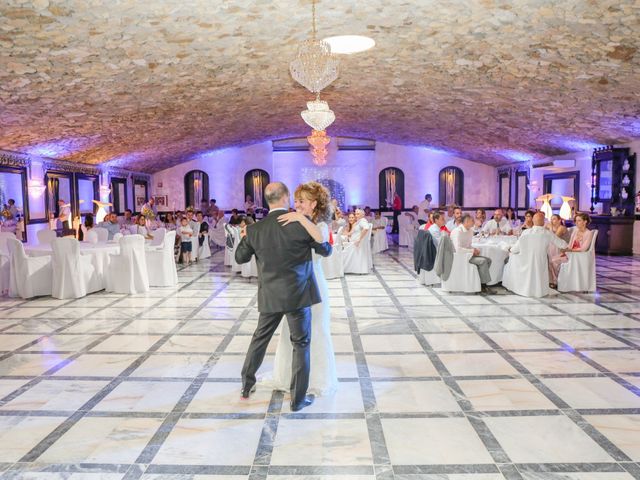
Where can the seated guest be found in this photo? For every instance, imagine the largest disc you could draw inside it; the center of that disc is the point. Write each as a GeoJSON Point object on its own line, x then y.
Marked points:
{"type": "Point", "coordinates": [450, 210]}
{"type": "Point", "coordinates": [480, 221]}
{"type": "Point", "coordinates": [349, 226]}
{"type": "Point", "coordinates": [204, 228]}
{"type": "Point", "coordinates": [456, 220]}
{"type": "Point", "coordinates": [425, 226]}
{"type": "Point", "coordinates": [212, 209]}
{"type": "Point", "coordinates": [461, 237]}
{"type": "Point", "coordinates": [556, 226]}
{"type": "Point", "coordinates": [88, 225]}
{"type": "Point", "coordinates": [141, 227]}
{"type": "Point", "coordinates": [528, 219]}
{"type": "Point", "coordinates": [127, 220]}
{"type": "Point", "coordinates": [438, 228]}
{"type": "Point", "coordinates": [514, 221]}
{"type": "Point", "coordinates": [235, 217]}
{"type": "Point", "coordinates": [580, 241]}
{"type": "Point", "coordinates": [12, 209]}
{"type": "Point", "coordinates": [110, 224]}
{"type": "Point", "coordinates": [170, 222]}
{"type": "Point", "coordinates": [498, 224]}
{"type": "Point", "coordinates": [544, 235]}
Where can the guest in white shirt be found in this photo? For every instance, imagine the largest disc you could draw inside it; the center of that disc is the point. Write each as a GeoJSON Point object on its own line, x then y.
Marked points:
{"type": "Point", "coordinates": [498, 224]}
{"type": "Point", "coordinates": [511, 217]}
{"type": "Point", "coordinates": [64, 213]}
{"type": "Point", "coordinates": [436, 228]}
{"type": "Point", "coordinates": [457, 219]}
{"type": "Point", "coordinates": [480, 220]}
{"type": "Point", "coordinates": [360, 228]}
{"type": "Point", "coordinates": [423, 209]}
{"type": "Point", "coordinates": [141, 228]}
{"type": "Point", "coordinates": [461, 237]}
{"type": "Point", "coordinates": [11, 207]}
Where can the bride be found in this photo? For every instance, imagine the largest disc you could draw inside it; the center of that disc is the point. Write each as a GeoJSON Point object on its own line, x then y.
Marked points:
{"type": "Point", "coordinates": [312, 201]}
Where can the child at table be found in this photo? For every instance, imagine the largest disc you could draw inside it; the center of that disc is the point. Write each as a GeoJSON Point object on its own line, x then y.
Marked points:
{"type": "Point", "coordinates": [186, 232]}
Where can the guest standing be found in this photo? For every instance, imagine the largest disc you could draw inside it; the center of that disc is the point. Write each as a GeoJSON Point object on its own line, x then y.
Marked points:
{"type": "Point", "coordinates": [424, 208]}
{"type": "Point", "coordinates": [397, 208]}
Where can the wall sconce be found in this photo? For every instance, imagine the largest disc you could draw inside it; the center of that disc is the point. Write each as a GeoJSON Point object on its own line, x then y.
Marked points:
{"type": "Point", "coordinates": [565, 209]}
{"type": "Point", "coordinates": [35, 188]}
{"type": "Point", "coordinates": [105, 191]}
{"type": "Point", "coordinates": [546, 206]}
{"type": "Point", "coordinates": [533, 187]}
{"type": "Point", "coordinates": [102, 211]}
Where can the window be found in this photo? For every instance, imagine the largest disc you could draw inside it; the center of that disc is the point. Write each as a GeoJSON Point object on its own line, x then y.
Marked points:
{"type": "Point", "coordinates": [196, 189]}
{"type": "Point", "coordinates": [254, 183]}
{"type": "Point", "coordinates": [119, 195]}
{"type": "Point", "coordinates": [390, 181]}
{"type": "Point", "coordinates": [504, 190]}
{"type": "Point", "coordinates": [451, 186]}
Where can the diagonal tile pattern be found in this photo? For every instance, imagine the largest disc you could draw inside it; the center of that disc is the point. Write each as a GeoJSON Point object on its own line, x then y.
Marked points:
{"type": "Point", "coordinates": [433, 385]}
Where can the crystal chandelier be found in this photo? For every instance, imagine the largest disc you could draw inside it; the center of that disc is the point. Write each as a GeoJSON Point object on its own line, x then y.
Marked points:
{"type": "Point", "coordinates": [318, 115]}
{"type": "Point", "coordinates": [315, 68]}
{"type": "Point", "coordinates": [319, 141]}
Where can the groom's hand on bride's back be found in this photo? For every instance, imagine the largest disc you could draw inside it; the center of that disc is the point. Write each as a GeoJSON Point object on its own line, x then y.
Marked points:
{"type": "Point", "coordinates": [323, 249]}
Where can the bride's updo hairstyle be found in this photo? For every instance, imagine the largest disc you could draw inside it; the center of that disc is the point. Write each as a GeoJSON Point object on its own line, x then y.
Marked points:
{"type": "Point", "coordinates": [314, 191]}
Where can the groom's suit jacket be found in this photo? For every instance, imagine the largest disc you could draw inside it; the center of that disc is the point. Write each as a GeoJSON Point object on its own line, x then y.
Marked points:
{"type": "Point", "coordinates": [285, 269]}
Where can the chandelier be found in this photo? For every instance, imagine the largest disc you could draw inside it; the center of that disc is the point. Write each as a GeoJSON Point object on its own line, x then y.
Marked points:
{"type": "Point", "coordinates": [318, 115]}
{"type": "Point", "coordinates": [314, 67]}
{"type": "Point", "coordinates": [319, 141]}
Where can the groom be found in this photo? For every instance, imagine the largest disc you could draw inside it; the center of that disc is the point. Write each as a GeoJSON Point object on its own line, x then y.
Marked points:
{"type": "Point", "coordinates": [286, 287]}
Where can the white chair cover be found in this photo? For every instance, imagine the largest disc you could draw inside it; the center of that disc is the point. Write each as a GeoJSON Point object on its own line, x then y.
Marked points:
{"type": "Point", "coordinates": [28, 276]}
{"type": "Point", "coordinates": [204, 250]}
{"type": "Point", "coordinates": [103, 234]}
{"type": "Point", "coordinates": [4, 262]}
{"type": "Point", "coordinates": [248, 270]}
{"type": "Point", "coordinates": [91, 236]}
{"type": "Point", "coordinates": [428, 277]}
{"type": "Point", "coordinates": [73, 275]}
{"type": "Point", "coordinates": [4, 236]}
{"type": "Point", "coordinates": [217, 234]}
{"type": "Point", "coordinates": [116, 237]}
{"type": "Point", "coordinates": [579, 273]}
{"type": "Point", "coordinates": [161, 264]}
{"type": "Point", "coordinates": [127, 272]}
{"type": "Point", "coordinates": [527, 272]}
{"type": "Point", "coordinates": [235, 266]}
{"type": "Point", "coordinates": [228, 252]}
{"type": "Point", "coordinates": [45, 237]}
{"type": "Point", "coordinates": [358, 259]}
{"type": "Point", "coordinates": [158, 237]}
{"type": "Point", "coordinates": [380, 242]}
{"type": "Point", "coordinates": [194, 242]}
{"type": "Point", "coordinates": [405, 226]}
{"type": "Point", "coordinates": [333, 265]}
{"type": "Point", "coordinates": [464, 276]}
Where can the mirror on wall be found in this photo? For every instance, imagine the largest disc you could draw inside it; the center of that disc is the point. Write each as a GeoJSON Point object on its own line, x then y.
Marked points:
{"type": "Point", "coordinates": [13, 201]}
{"type": "Point", "coordinates": [59, 187]}
{"type": "Point", "coordinates": [87, 191]}
{"type": "Point", "coordinates": [522, 192]}
{"type": "Point", "coordinates": [140, 194]}
{"type": "Point", "coordinates": [505, 189]}
{"type": "Point", "coordinates": [562, 184]}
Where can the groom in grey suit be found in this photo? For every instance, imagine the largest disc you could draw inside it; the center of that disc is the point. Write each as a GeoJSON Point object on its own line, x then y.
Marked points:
{"type": "Point", "coordinates": [286, 288]}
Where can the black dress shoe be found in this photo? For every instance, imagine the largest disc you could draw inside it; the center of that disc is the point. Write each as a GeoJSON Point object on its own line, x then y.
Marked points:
{"type": "Point", "coordinates": [306, 401]}
{"type": "Point", "coordinates": [246, 392]}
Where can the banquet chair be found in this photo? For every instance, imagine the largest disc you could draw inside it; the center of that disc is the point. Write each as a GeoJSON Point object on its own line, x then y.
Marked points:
{"type": "Point", "coordinates": [73, 275]}
{"type": "Point", "coordinates": [527, 273]}
{"type": "Point", "coordinates": [229, 244]}
{"type": "Point", "coordinates": [404, 228]}
{"type": "Point", "coordinates": [358, 259]}
{"type": "Point", "coordinates": [380, 241]}
{"type": "Point", "coordinates": [45, 237]}
{"type": "Point", "coordinates": [158, 237]}
{"type": "Point", "coordinates": [204, 250]}
{"type": "Point", "coordinates": [195, 244]}
{"type": "Point", "coordinates": [4, 236]}
{"type": "Point", "coordinates": [217, 235]}
{"type": "Point", "coordinates": [464, 276]}
{"type": "Point", "coordinates": [579, 273]}
{"type": "Point", "coordinates": [28, 276]}
{"type": "Point", "coordinates": [91, 236]}
{"type": "Point", "coordinates": [103, 234]}
{"type": "Point", "coordinates": [116, 237]}
{"type": "Point", "coordinates": [249, 269]}
{"type": "Point", "coordinates": [127, 271]}
{"type": "Point", "coordinates": [235, 266]}
{"type": "Point", "coordinates": [161, 263]}
{"type": "Point", "coordinates": [333, 265]}
{"type": "Point", "coordinates": [5, 270]}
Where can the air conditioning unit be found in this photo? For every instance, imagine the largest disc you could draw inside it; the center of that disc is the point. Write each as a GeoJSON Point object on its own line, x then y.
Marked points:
{"type": "Point", "coordinates": [564, 163]}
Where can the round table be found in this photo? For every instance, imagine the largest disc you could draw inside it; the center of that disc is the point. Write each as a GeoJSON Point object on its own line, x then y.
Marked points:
{"type": "Point", "coordinates": [495, 248]}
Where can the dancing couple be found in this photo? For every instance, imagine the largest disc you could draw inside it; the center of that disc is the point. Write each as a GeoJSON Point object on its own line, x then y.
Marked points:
{"type": "Point", "coordinates": [288, 247]}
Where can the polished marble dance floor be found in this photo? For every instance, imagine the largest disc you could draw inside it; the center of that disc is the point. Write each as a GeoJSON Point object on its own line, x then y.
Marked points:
{"type": "Point", "coordinates": [433, 386]}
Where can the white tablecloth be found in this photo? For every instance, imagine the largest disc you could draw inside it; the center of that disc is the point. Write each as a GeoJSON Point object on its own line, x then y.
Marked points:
{"type": "Point", "coordinates": [99, 253]}
{"type": "Point", "coordinates": [495, 248]}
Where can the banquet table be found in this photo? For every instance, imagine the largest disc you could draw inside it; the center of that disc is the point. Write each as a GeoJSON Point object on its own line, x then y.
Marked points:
{"type": "Point", "coordinates": [99, 253]}
{"type": "Point", "coordinates": [497, 249]}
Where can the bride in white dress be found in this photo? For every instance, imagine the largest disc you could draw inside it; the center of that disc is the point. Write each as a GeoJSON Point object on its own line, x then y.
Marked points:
{"type": "Point", "coordinates": [312, 200]}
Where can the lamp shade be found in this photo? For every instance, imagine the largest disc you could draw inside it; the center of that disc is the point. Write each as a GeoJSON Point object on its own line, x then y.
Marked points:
{"type": "Point", "coordinates": [546, 206]}
{"type": "Point", "coordinates": [318, 115]}
{"type": "Point", "coordinates": [565, 209]}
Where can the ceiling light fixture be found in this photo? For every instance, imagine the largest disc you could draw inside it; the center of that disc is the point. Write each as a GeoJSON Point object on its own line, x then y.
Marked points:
{"type": "Point", "coordinates": [349, 44]}
{"type": "Point", "coordinates": [318, 114]}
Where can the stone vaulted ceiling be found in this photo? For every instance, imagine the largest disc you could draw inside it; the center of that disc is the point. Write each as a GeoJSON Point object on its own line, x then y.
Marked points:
{"type": "Point", "coordinates": [149, 84]}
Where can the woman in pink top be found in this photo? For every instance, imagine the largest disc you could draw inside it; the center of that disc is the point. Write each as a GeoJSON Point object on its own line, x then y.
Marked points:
{"type": "Point", "coordinates": [580, 241]}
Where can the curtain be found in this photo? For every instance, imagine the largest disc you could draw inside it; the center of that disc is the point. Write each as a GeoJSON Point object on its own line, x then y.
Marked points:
{"type": "Point", "coordinates": [390, 177]}
{"type": "Point", "coordinates": [52, 195]}
{"type": "Point", "coordinates": [258, 188]}
{"type": "Point", "coordinates": [197, 189]}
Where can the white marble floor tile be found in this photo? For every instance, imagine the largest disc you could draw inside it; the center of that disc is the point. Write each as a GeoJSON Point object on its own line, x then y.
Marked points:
{"type": "Point", "coordinates": [587, 339]}
{"type": "Point", "coordinates": [457, 442]}
{"type": "Point", "coordinates": [456, 342]}
{"type": "Point", "coordinates": [171, 365]}
{"type": "Point", "coordinates": [221, 397]}
{"type": "Point", "coordinates": [68, 395]}
{"type": "Point", "coordinates": [622, 430]}
{"type": "Point", "coordinates": [132, 396]}
{"type": "Point", "coordinates": [390, 343]}
{"type": "Point", "coordinates": [505, 394]}
{"type": "Point", "coordinates": [211, 442]}
{"type": "Point", "coordinates": [322, 442]}
{"type": "Point", "coordinates": [552, 362]}
{"type": "Point", "coordinates": [29, 364]}
{"type": "Point", "coordinates": [18, 435]}
{"type": "Point", "coordinates": [112, 440]}
{"type": "Point", "coordinates": [616, 360]}
{"type": "Point", "coordinates": [599, 392]}
{"type": "Point", "coordinates": [127, 343]}
{"type": "Point", "coordinates": [11, 342]}
{"type": "Point", "coordinates": [474, 364]}
{"type": "Point", "coordinates": [552, 439]}
{"type": "Point", "coordinates": [347, 399]}
{"type": "Point", "coordinates": [407, 365]}
{"type": "Point", "coordinates": [414, 397]}
{"type": "Point", "coordinates": [522, 340]}
{"type": "Point", "coordinates": [9, 385]}
{"type": "Point", "coordinates": [99, 365]}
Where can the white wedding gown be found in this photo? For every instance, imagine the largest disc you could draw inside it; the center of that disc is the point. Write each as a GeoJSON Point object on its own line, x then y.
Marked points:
{"type": "Point", "coordinates": [323, 379]}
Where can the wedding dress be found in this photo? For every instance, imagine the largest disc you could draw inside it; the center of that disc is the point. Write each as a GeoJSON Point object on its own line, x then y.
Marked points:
{"type": "Point", "coordinates": [323, 379]}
